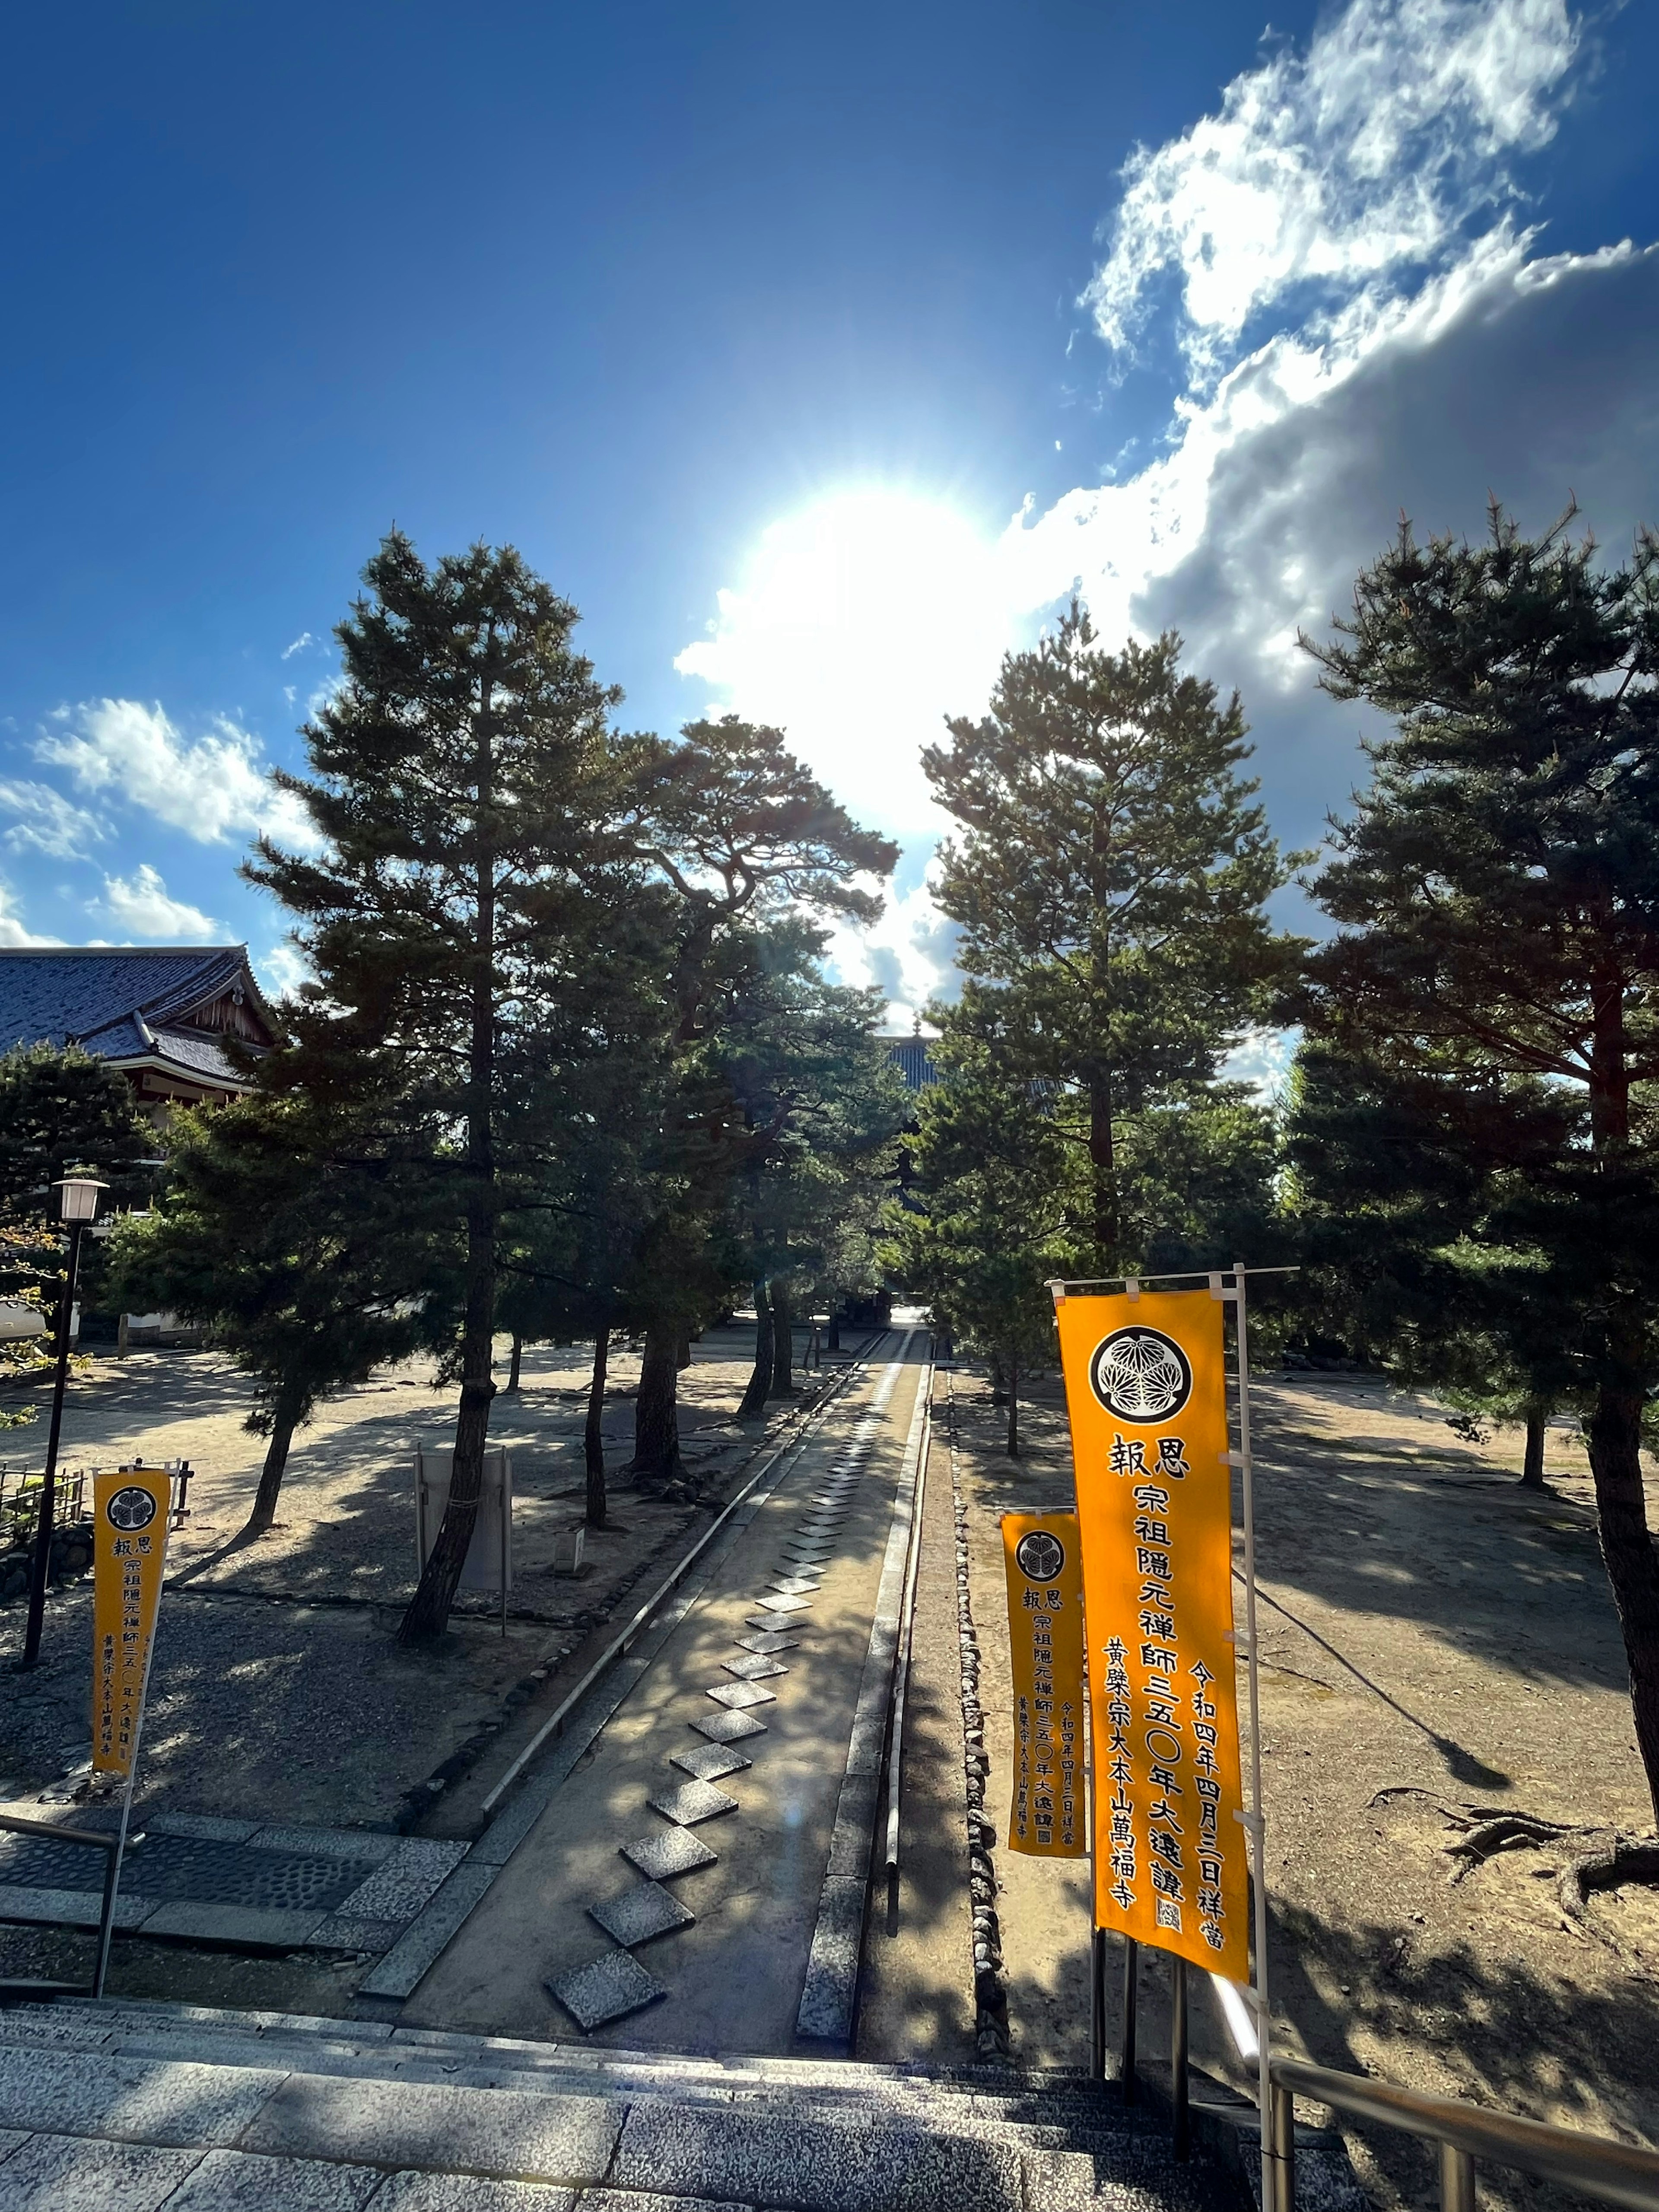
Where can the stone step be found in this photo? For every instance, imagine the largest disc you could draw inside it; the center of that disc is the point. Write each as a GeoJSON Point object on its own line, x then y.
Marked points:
{"type": "Point", "coordinates": [794, 2160]}
{"type": "Point", "coordinates": [1036, 2121]}
{"type": "Point", "coordinates": [796, 2136]}
{"type": "Point", "coordinates": [114, 2024]}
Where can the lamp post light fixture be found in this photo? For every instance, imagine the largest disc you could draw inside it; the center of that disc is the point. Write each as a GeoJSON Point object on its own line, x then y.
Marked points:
{"type": "Point", "coordinates": [77, 1206]}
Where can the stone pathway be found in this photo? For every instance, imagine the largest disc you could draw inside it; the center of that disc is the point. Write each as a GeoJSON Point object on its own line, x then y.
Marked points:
{"type": "Point", "coordinates": [694, 1856]}
{"type": "Point", "coordinates": [616, 1985]}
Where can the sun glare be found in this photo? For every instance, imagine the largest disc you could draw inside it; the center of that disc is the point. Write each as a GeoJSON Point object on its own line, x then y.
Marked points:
{"type": "Point", "coordinates": [862, 621]}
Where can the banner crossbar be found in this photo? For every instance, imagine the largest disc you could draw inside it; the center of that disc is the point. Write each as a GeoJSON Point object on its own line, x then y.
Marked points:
{"type": "Point", "coordinates": [1060, 1289]}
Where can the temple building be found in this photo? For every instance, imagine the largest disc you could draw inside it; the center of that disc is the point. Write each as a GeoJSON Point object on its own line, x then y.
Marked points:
{"type": "Point", "coordinates": [160, 1013]}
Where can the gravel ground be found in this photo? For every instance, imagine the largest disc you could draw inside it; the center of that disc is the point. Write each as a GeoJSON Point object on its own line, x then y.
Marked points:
{"type": "Point", "coordinates": [1428, 1628]}
{"type": "Point", "coordinates": [278, 1689]}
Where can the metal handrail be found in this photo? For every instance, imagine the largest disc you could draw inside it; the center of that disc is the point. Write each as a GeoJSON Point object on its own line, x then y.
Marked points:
{"type": "Point", "coordinates": [1593, 2166]}
{"type": "Point", "coordinates": [95, 1840]}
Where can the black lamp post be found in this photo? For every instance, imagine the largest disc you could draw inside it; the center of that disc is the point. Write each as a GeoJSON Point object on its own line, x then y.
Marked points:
{"type": "Point", "coordinates": [77, 1204]}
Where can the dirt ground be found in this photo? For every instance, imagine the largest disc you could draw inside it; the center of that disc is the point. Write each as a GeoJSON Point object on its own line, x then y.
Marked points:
{"type": "Point", "coordinates": [278, 1690]}
{"type": "Point", "coordinates": [1430, 1631]}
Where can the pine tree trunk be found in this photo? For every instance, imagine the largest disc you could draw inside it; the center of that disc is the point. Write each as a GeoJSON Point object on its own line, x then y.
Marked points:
{"type": "Point", "coordinates": [1532, 1467]}
{"type": "Point", "coordinates": [656, 1410]}
{"type": "Point", "coordinates": [783, 1345]}
{"type": "Point", "coordinates": [1614, 1431]}
{"type": "Point", "coordinates": [759, 1376]}
{"type": "Point", "coordinates": [428, 1615]}
{"type": "Point", "coordinates": [513, 1369]}
{"type": "Point", "coordinates": [834, 1344]}
{"type": "Point", "coordinates": [1103, 1175]}
{"type": "Point", "coordinates": [1102, 1163]}
{"type": "Point", "coordinates": [282, 1425]}
{"type": "Point", "coordinates": [593, 1433]}
{"type": "Point", "coordinates": [1013, 1406]}
{"type": "Point", "coordinates": [1615, 1440]}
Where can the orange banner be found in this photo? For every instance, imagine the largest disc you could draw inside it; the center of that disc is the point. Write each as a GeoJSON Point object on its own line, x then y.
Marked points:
{"type": "Point", "coordinates": [1146, 1393]}
{"type": "Point", "coordinates": [131, 1512]}
{"type": "Point", "coordinates": [1043, 1563]}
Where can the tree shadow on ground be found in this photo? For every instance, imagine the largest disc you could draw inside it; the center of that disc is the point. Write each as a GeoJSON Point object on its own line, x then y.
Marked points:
{"type": "Point", "coordinates": [1497, 2031]}
{"type": "Point", "coordinates": [265, 1689]}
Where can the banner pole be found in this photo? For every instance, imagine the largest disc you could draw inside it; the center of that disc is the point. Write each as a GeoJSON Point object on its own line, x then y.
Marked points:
{"type": "Point", "coordinates": [1271, 2196]}
{"type": "Point", "coordinates": [111, 1887]}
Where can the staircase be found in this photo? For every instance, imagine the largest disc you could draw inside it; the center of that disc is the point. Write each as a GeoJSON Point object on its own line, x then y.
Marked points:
{"type": "Point", "coordinates": [142, 2105]}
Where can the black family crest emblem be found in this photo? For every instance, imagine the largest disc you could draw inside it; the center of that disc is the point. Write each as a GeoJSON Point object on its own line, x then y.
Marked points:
{"type": "Point", "coordinates": [1140, 1374]}
{"type": "Point", "coordinates": [1039, 1556]}
{"type": "Point", "coordinates": [130, 1508]}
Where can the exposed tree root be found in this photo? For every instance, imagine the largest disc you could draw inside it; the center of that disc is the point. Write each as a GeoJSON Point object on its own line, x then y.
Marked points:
{"type": "Point", "coordinates": [1596, 1858]}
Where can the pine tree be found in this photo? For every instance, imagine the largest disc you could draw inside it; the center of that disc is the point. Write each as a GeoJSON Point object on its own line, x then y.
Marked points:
{"type": "Point", "coordinates": [819, 1105]}
{"type": "Point", "coordinates": [309, 1260]}
{"type": "Point", "coordinates": [741, 833]}
{"type": "Point", "coordinates": [1396, 1230]}
{"type": "Point", "coordinates": [59, 1110]}
{"type": "Point", "coordinates": [1495, 890]}
{"type": "Point", "coordinates": [986, 1220]}
{"type": "Point", "coordinates": [1108, 877]}
{"type": "Point", "coordinates": [570, 1267]}
{"type": "Point", "coordinates": [462, 782]}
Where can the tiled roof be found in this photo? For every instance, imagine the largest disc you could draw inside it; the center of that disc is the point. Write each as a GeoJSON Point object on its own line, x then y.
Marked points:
{"type": "Point", "coordinates": [914, 1061]}
{"type": "Point", "coordinates": [198, 1053]}
{"type": "Point", "coordinates": [117, 1000]}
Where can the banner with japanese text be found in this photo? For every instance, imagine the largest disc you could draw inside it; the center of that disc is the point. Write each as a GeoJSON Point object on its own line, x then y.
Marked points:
{"type": "Point", "coordinates": [1146, 1390]}
{"type": "Point", "coordinates": [130, 1513]}
{"type": "Point", "coordinates": [1047, 1817]}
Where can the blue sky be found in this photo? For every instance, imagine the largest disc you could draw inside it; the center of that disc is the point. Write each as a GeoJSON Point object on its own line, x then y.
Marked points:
{"type": "Point", "coordinates": [816, 350]}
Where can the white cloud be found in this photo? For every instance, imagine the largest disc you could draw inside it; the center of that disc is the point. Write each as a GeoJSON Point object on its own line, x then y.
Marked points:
{"type": "Point", "coordinates": [299, 645]}
{"type": "Point", "coordinates": [12, 932]}
{"type": "Point", "coordinates": [1525, 377]}
{"type": "Point", "coordinates": [282, 967]}
{"type": "Point", "coordinates": [910, 953]}
{"type": "Point", "coordinates": [1344, 169]}
{"type": "Point", "coordinates": [1429, 354]}
{"type": "Point", "coordinates": [1261, 1059]}
{"type": "Point", "coordinates": [206, 787]}
{"type": "Point", "coordinates": [140, 903]}
{"type": "Point", "coordinates": [46, 822]}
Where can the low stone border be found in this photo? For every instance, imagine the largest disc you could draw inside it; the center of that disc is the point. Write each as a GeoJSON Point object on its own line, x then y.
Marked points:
{"type": "Point", "coordinates": [69, 1539]}
{"type": "Point", "coordinates": [990, 1989]}
{"type": "Point", "coordinates": [404, 1874]}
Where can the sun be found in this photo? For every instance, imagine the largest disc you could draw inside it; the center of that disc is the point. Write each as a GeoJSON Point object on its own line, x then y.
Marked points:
{"type": "Point", "coordinates": [861, 621]}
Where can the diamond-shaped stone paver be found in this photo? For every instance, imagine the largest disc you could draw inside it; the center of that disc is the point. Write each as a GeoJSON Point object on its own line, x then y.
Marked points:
{"type": "Point", "coordinates": [693, 1801]}
{"type": "Point", "coordinates": [773, 1603]}
{"type": "Point", "coordinates": [608, 1989]}
{"type": "Point", "coordinates": [738, 1697]}
{"type": "Point", "coordinates": [810, 1549]}
{"type": "Point", "coordinates": [756, 1667]}
{"type": "Point", "coordinates": [767, 1640]}
{"type": "Point", "coordinates": [707, 1762]}
{"type": "Point", "coordinates": [728, 1727]}
{"type": "Point", "coordinates": [764, 1621]}
{"type": "Point", "coordinates": [640, 1913]}
{"type": "Point", "coordinates": [796, 1585]}
{"type": "Point", "coordinates": [669, 1852]}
